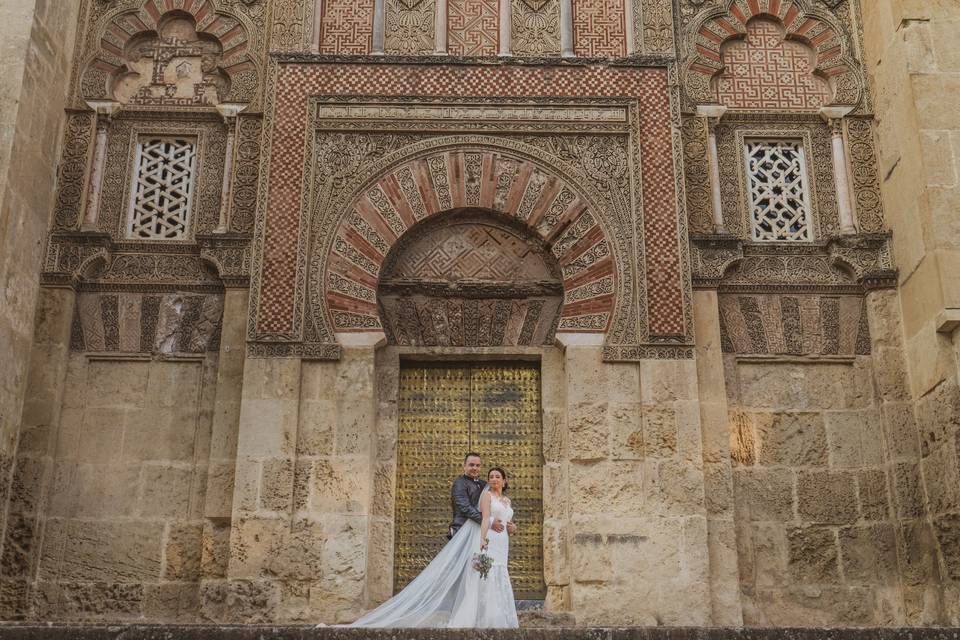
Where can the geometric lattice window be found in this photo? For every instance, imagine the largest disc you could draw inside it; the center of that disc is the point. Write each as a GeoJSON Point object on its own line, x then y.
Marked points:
{"type": "Point", "coordinates": [162, 195]}
{"type": "Point", "coordinates": [778, 192]}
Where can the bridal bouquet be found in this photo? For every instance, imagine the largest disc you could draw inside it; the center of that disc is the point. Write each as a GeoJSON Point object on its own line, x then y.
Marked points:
{"type": "Point", "coordinates": [482, 564]}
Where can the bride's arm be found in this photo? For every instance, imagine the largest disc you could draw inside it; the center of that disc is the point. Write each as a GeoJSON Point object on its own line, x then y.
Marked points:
{"type": "Point", "coordinates": [484, 519]}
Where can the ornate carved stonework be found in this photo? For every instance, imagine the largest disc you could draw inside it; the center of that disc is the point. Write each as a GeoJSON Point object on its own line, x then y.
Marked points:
{"type": "Point", "coordinates": [536, 27]}
{"type": "Point", "coordinates": [120, 170]}
{"type": "Point", "coordinates": [794, 325]}
{"type": "Point", "coordinates": [550, 161]}
{"type": "Point", "coordinates": [845, 264]}
{"type": "Point", "coordinates": [710, 25]}
{"type": "Point", "coordinates": [161, 323]}
{"type": "Point", "coordinates": [732, 134]}
{"type": "Point", "coordinates": [865, 175]}
{"type": "Point", "coordinates": [175, 67]}
{"type": "Point", "coordinates": [72, 174]}
{"type": "Point", "coordinates": [410, 26]}
{"type": "Point", "coordinates": [697, 175]}
{"type": "Point", "coordinates": [163, 54]}
{"type": "Point", "coordinates": [655, 26]}
{"type": "Point", "coordinates": [462, 279]}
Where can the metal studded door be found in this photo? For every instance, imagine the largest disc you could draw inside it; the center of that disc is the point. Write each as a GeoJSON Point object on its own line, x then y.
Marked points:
{"type": "Point", "coordinates": [446, 411]}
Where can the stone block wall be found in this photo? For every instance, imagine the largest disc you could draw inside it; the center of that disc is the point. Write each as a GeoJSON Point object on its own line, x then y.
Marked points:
{"type": "Point", "coordinates": [815, 537]}
{"type": "Point", "coordinates": [118, 522]}
{"type": "Point", "coordinates": [913, 56]}
{"type": "Point", "coordinates": [625, 522]}
{"type": "Point", "coordinates": [35, 57]}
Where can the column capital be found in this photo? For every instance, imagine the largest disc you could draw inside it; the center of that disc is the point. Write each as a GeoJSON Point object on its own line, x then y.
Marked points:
{"type": "Point", "coordinates": [105, 109]}
{"type": "Point", "coordinates": [230, 110]}
{"type": "Point", "coordinates": [834, 116]}
{"type": "Point", "coordinates": [712, 112]}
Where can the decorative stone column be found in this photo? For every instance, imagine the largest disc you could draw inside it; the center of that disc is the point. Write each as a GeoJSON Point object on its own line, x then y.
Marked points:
{"type": "Point", "coordinates": [441, 27]}
{"type": "Point", "coordinates": [834, 117]}
{"type": "Point", "coordinates": [105, 110]}
{"type": "Point", "coordinates": [713, 113]}
{"type": "Point", "coordinates": [379, 27]}
{"type": "Point", "coordinates": [566, 29]}
{"type": "Point", "coordinates": [317, 25]}
{"type": "Point", "coordinates": [229, 112]}
{"type": "Point", "coordinates": [629, 26]}
{"type": "Point", "coordinates": [506, 28]}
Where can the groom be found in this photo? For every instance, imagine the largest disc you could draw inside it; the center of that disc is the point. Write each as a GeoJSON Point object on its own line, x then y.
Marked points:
{"type": "Point", "coordinates": [465, 496]}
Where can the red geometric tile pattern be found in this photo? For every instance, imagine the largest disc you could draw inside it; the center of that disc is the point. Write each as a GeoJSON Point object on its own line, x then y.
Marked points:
{"type": "Point", "coordinates": [797, 24]}
{"type": "Point", "coordinates": [764, 71]}
{"type": "Point", "coordinates": [664, 275]}
{"type": "Point", "coordinates": [297, 82]}
{"type": "Point", "coordinates": [598, 28]}
{"type": "Point", "coordinates": [368, 233]}
{"type": "Point", "coordinates": [473, 27]}
{"type": "Point", "coordinates": [346, 27]}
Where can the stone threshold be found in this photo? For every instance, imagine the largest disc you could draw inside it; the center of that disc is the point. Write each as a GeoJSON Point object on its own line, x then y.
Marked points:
{"type": "Point", "coordinates": [304, 632]}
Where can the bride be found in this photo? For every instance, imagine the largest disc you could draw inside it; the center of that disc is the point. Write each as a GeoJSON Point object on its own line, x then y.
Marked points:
{"type": "Point", "coordinates": [449, 592]}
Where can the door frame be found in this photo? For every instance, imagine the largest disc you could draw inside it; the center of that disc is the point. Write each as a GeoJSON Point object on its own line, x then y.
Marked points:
{"type": "Point", "coordinates": [389, 358]}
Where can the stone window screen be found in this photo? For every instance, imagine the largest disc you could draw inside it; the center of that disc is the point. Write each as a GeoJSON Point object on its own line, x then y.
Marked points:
{"type": "Point", "coordinates": [161, 197]}
{"type": "Point", "coordinates": [778, 190]}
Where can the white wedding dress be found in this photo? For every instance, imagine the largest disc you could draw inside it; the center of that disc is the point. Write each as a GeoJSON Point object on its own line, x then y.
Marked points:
{"type": "Point", "coordinates": [449, 593]}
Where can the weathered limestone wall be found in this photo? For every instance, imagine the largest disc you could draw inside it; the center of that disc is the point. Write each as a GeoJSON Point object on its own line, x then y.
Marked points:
{"type": "Point", "coordinates": [36, 43]}
{"type": "Point", "coordinates": [122, 530]}
{"type": "Point", "coordinates": [303, 500]}
{"type": "Point", "coordinates": [625, 488]}
{"type": "Point", "coordinates": [913, 55]}
{"type": "Point", "coordinates": [815, 537]}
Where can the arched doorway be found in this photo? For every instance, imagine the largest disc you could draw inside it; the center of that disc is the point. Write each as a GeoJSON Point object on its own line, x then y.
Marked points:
{"type": "Point", "coordinates": [469, 278]}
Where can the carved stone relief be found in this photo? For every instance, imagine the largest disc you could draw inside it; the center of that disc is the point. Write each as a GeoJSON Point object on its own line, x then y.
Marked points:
{"type": "Point", "coordinates": [815, 136]}
{"type": "Point", "coordinates": [161, 323]}
{"type": "Point", "coordinates": [709, 26]}
{"type": "Point", "coordinates": [466, 278]}
{"type": "Point", "coordinates": [410, 26]}
{"type": "Point", "coordinates": [187, 54]}
{"type": "Point", "coordinates": [210, 136]}
{"type": "Point", "coordinates": [536, 27]}
{"type": "Point", "coordinates": [794, 324]}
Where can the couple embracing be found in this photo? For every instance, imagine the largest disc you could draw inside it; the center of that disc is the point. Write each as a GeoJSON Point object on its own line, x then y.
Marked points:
{"type": "Point", "coordinates": [453, 591]}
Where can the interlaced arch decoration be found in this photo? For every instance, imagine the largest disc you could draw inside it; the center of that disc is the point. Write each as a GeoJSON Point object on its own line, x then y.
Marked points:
{"type": "Point", "coordinates": [802, 22]}
{"type": "Point", "coordinates": [438, 178]}
{"type": "Point", "coordinates": [232, 34]}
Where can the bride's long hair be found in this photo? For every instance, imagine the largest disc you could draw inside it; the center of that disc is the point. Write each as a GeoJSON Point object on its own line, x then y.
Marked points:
{"type": "Point", "coordinates": [503, 474]}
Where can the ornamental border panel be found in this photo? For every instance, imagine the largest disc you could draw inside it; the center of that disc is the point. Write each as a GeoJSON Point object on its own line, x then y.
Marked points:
{"type": "Point", "coordinates": [282, 249]}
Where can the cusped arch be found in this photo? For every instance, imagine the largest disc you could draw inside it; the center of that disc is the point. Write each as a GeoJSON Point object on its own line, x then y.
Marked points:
{"type": "Point", "coordinates": [442, 178]}
{"type": "Point", "coordinates": [801, 20]}
{"type": "Point", "coordinates": [233, 37]}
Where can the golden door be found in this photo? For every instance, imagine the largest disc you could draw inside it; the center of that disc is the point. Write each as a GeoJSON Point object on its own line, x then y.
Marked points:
{"type": "Point", "coordinates": [446, 411]}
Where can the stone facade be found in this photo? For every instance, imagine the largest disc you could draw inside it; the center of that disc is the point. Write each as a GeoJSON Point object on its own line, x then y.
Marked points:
{"type": "Point", "coordinates": [720, 228]}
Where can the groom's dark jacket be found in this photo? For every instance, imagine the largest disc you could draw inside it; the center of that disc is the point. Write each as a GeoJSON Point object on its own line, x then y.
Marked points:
{"type": "Point", "coordinates": [464, 497]}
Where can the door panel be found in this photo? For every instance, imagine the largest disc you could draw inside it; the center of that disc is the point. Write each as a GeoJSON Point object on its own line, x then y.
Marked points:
{"type": "Point", "coordinates": [446, 411]}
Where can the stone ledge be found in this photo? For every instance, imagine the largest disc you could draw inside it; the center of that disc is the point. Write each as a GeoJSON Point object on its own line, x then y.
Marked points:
{"type": "Point", "coordinates": [297, 632]}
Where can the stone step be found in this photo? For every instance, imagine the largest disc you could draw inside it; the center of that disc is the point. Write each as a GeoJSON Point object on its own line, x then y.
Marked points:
{"type": "Point", "coordinates": [300, 632]}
